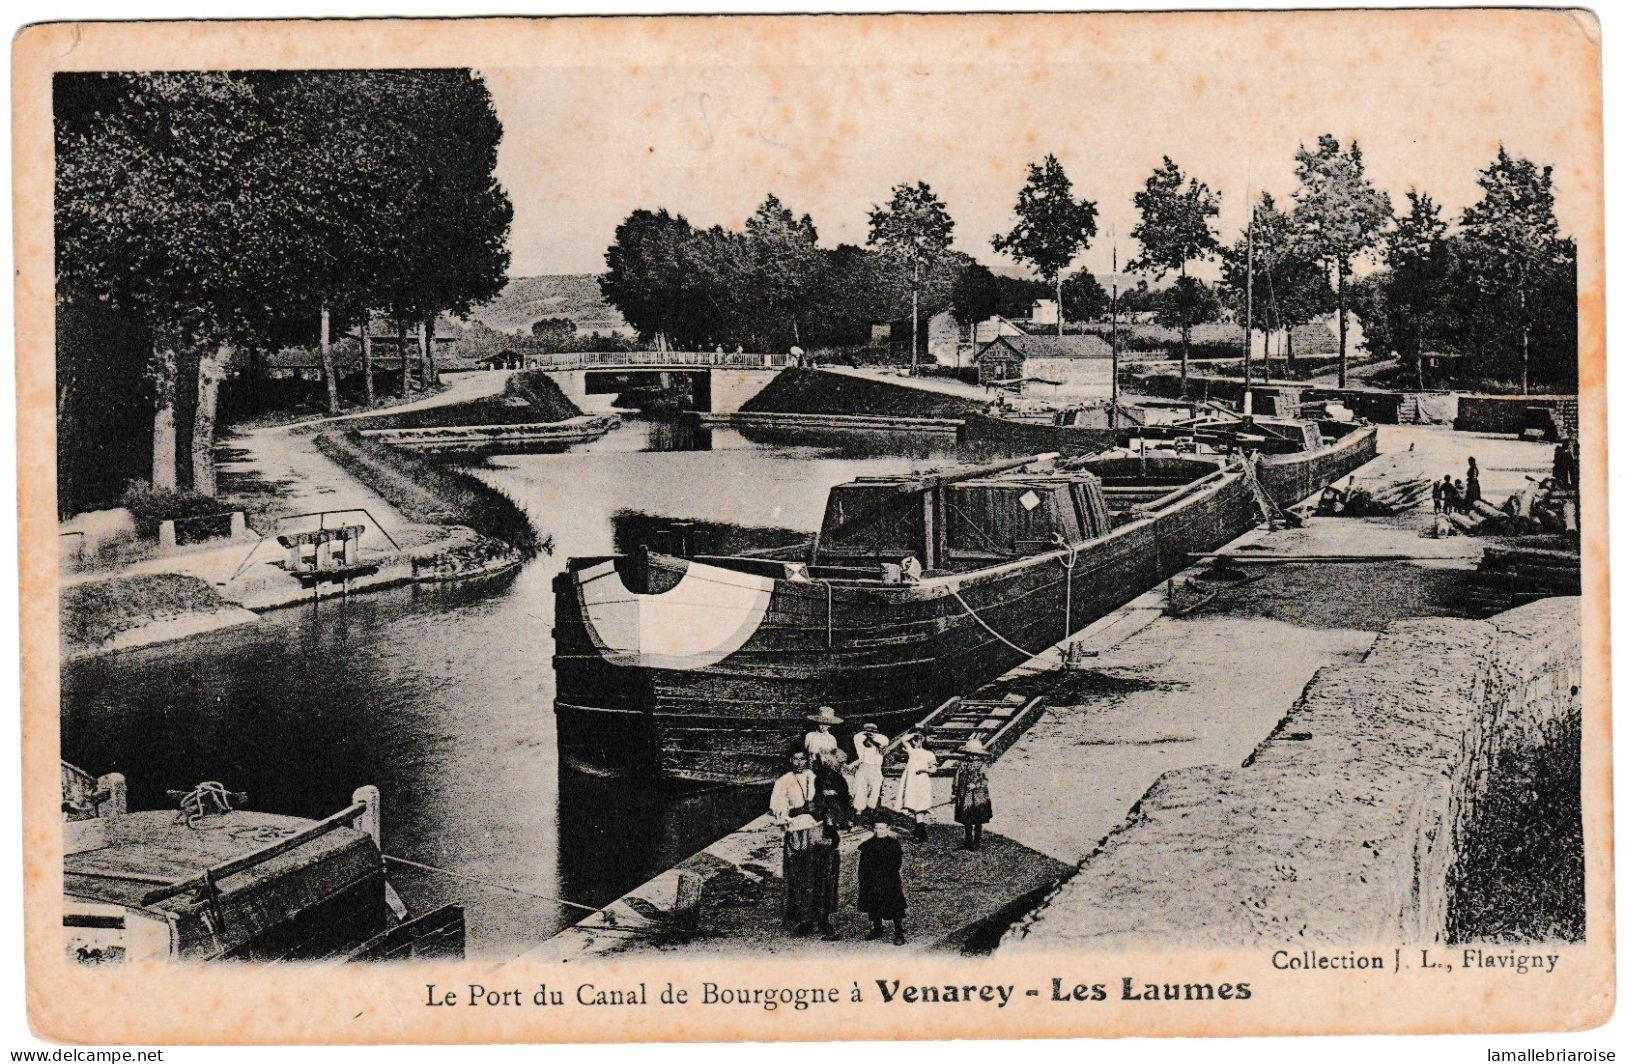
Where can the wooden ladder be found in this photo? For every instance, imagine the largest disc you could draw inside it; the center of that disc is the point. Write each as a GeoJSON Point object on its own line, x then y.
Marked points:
{"type": "Point", "coordinates": [996, 722]}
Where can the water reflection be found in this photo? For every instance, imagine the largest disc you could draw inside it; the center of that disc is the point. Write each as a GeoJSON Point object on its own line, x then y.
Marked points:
{"type": "Point", "coordinates": [679, 434]}
{"type": "Point", "coordinates": [602, 821]}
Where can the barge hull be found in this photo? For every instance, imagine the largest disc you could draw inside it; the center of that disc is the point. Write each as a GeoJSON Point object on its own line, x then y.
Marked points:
{"type": "Point", "coordinates": [883, 654]}
{"type": "Point", "coordinates": [871, 657]}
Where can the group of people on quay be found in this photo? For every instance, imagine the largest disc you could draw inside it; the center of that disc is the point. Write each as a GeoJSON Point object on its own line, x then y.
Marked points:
{"type": "Point", "coordinates": [1457, 496]}
{"type": "Point", "coordinates": [828, 794]}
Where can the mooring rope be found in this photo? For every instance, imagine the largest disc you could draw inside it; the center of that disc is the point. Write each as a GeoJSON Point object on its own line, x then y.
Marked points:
{"type": "Point", "coordinates": [989, 628]}
{"type": "Point", "coordinates": [490, 883]}
{"type": "Point", "coordinates": [195, 803]}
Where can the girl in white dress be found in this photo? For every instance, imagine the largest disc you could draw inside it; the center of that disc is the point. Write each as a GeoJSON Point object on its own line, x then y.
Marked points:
{"type": "Point", "coordinates": [915, 794]}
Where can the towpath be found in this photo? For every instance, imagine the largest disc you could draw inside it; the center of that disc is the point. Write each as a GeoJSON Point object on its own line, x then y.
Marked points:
{"type": "Point", "coordinates": [286, 455]}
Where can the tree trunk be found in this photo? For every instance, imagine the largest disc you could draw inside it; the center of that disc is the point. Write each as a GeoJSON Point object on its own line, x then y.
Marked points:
{"type": "Point", "coordinates": [366, 356]}
{"type": "Point", "coordinates": [1184, 336]}
{"type": "Point", "coordinates": [406, 363]}
{"type": "Point", "coordinates": [211, 370]}
{"type": "Point", "coordinates": [163, 420]}
{"type": "Point", "coordinates": [1419, 383]}
{"type": "Point", "coordinates": [1291, 360]}
{"type": "Point", "coordinates": [1342, 332]}
{"type": "Point", "coordinates": [914, 331]}
{"type": "Point", "coordinates": [431, 376]}
{"type": "Point", "coordinates": [329, 373]}
{"type": "Point", "coordinates": [1523, 321]}
{"type": "Point", "coordinates": [1060, 313]}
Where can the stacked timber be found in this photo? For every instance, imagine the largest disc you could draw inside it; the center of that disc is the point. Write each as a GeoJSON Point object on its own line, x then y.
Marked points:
{"type": "Point", "coordinates": [1521, 570]}
{"type": "Point", "coordinates": [1541, 509]}
{"type": "Point", "coordinates": [1379, 499]}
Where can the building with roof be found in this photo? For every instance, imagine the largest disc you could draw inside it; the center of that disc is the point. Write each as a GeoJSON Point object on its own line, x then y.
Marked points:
{"type": "Point", "coordinates": [943, 338]}
{"type": "Point", "coordinates": [1065, 365]}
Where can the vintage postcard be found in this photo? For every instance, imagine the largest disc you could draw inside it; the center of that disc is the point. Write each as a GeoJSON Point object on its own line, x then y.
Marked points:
{"type": "Point", "coordinates": [789, 528]}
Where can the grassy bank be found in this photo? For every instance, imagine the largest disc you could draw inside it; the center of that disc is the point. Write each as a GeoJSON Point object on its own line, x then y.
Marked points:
{"type": "Point", "coordinates": [429, 491]}
{"type": "Point", "coordinates": [807, 391]}
{"type": "Point", "coordinates": [1521, 875]}
{"type": "Point", "coordinates": [94, 612]}
{"type": "Point", "coordinates": [529, 397]}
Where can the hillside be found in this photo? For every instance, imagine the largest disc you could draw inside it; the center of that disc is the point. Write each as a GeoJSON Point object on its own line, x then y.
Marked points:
{"type": "Point", "coordinates": [529, 299]}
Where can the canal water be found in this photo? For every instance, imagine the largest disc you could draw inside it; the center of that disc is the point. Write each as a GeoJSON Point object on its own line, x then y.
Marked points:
{"type": "Point", "coordinates": [442, 697]}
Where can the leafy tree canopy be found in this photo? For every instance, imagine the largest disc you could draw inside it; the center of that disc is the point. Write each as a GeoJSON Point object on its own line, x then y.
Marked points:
{"type": "Point", "coordinates": [1174, 227]}
{"type": "Point", "coordinates": [1338, 213]}
{"type": "Point", "coordinates": [1051, 226]}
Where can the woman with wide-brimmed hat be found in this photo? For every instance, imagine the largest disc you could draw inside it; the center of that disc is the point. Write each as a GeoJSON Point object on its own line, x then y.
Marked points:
{"type": "Point", "coordinates": [820, 742]}
{"type": "Point", "coordinates": [973, 805]}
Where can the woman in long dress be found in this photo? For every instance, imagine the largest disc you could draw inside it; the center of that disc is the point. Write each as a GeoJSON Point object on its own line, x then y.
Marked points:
{"type": "Point", "coordinates": [812, 862]}
{"type": "Point", "coordinates": [915, 793]}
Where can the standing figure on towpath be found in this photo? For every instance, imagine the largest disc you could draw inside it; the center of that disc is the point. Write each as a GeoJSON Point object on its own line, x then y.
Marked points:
{"type": "Point", "coordinates": [870, 748]}
{"type": "Point", "coordinates": [820, 742]}
{"type": "Point", "coordinates": [880, 882]}
{"type": "Point", "coordinates": [973, 805]}
{"type": "Point", "coordinates": [915, 794]}
{"type": "Point", "coordinates": [812, 865]}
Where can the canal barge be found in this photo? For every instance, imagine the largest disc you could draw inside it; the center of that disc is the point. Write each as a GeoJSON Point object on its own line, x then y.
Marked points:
{"type": "Point", "coordinates": [210, 882]}
{"type": "Point", "coordinates": [917, 587]}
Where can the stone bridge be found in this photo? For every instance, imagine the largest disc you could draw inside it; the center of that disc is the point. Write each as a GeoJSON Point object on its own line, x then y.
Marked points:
{"type": "Point", "coordinates": [718, 381]}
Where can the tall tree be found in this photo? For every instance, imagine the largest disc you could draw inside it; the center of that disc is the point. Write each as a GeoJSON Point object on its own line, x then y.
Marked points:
{"type": "Point", "coordinates": [1511, 242]}
{"type": "Point", "coordinates": [1266, 241]}
{"type": "Point", "coordinates": [1339, 215]}
{"type": "Point", "coordinates": [1051, 227]}
{"type": "Point", "coordinates": [1416, 294]}
{"type": "Point", "coordinates": [642, 278]}
{"type": "Point", "coordinates": [915, 232]}
{"type": "Point", "coordinates": [785, 261]}
{"type": "Point", "coordinates": [1174, 230]}
{"type": "Point", "coordinates": [449, 246]}
{"type": "Point", "coordinates": [160, 241]}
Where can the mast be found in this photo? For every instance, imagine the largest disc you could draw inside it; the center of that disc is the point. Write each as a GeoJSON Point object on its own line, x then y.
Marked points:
{"type": "Point", "coordinates": [1111, 411]}
{"type": "Point", "coordinates": [1247, 339]}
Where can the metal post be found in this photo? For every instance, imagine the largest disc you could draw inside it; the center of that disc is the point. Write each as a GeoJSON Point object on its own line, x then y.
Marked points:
{"type": "Point", "coordinates": [1247, 340]}
{"type": "Point", "coordinates": [369, 819]}
{"type": "Point", "coordinates": [117, 802]}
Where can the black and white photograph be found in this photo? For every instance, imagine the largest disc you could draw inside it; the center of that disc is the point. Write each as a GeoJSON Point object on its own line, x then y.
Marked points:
{"type": "Point", "coordinates": [1035, 524]}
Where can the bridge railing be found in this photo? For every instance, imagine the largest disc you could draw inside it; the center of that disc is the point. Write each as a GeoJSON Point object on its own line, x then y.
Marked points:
{"type": "Point", "coordinates": [715, 359]}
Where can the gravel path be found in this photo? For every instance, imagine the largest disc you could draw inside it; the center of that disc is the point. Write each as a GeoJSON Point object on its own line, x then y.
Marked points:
{"type": "Point", "coordinates": [286, 455]}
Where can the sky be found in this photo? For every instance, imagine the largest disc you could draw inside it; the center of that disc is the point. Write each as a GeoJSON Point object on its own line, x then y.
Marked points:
{"type": "Point", "coordinates": [830, 135]}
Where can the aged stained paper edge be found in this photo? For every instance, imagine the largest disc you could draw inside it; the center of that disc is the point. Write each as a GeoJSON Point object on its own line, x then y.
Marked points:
{"type": "Point", "coordinates": [302, 1004]}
